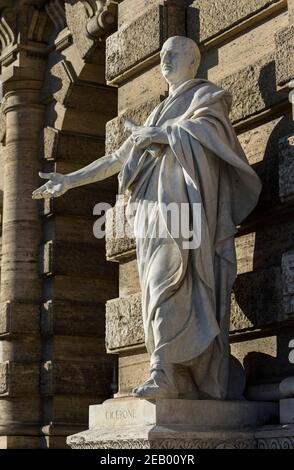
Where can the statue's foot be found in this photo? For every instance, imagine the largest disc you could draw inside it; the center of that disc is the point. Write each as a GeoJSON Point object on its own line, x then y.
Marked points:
{"type": "Point", "coordinates": [156, 387]}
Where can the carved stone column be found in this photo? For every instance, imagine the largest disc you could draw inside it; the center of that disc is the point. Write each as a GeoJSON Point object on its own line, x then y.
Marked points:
{"type": "Point", "coordinates": [21, 285]}
{"type": "Point", "coordinates": [22, 66]}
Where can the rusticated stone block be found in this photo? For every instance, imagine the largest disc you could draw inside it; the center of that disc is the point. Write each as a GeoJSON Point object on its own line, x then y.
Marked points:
{"type": "Point", "coordinates": [124, 326]}
{"type": "Point", "coordinates": [288, 282]}
{"type": "Point", "coordinates": [258, 90]}
{"type": "Point", "coordinates": [77, 259]}
{"type": "Point", "coordinates": [214, 17]}
{"type": "Point", "coordinates": [79, 201]}
{"type": "Point", "coordinates": [82, 350]}
{"type": "Point", "coordinates": [19, 318]}
{"type": "Point", "coordinates": [286, 167]}
{"type": "Point", "coordinates": [142, 38]}
{"type": "Point", "coordinates": [72, 229]}
{"type": "Point", "coordinates": [142, 88]}
{"type": "Point", "coordinates": [120, 242]}
{"type": "Point", "coordinates": [77, 289]}
{"type": "Point", "coordinates": [77, 378]}
{"type": "Point", "coordinates": [24, 348]}
{"type": "Point", "coordinates": [261, 142]}
{"type": "Point", "coordinates": [71, 147]}
{"type": "Point", "coordinates": [115, 134]}
{"type": "Point", "coordinates": [18, 379]}
{"type": "Point", "coordinates": [257, 300]}
{"type": "Point", "coordinates": [71, 409]}
{"type": "Point", "coordinates": [72, 319]}
{"type": "Point", "coordinates": [94, 98]}
{"type": "Point", "coordinates": [285, 55]}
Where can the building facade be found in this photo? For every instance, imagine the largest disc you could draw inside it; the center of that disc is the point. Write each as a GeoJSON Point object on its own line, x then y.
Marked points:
{"type": "Point", "coordinates": [72, 71]}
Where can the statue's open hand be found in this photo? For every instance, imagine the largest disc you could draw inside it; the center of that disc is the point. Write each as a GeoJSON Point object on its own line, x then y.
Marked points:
{"type": "Point", "coordinates": [56, 186]}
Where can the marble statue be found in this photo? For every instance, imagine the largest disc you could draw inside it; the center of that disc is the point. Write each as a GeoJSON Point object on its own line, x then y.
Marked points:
{"type": "Point", "coordinates": [186, 153]}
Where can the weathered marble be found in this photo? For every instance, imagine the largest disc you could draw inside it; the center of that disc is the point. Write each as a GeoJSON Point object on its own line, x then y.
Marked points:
{"type": "Point", "coordinates": [120, 314]}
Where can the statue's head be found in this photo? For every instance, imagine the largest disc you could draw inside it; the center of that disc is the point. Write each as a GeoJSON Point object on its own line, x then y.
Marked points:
{"type": "Point", "coordinates": [180, 59]}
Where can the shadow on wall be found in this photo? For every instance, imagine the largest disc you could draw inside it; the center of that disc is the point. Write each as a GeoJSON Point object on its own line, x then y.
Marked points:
{"type": "Point", "coordinates": [193, 32]}
{"type": "Point", "coordinates": [259, 293]}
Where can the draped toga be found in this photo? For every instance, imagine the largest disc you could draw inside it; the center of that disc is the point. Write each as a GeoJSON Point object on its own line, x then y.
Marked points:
{"type": "Point", "coordinates": [186, 292]}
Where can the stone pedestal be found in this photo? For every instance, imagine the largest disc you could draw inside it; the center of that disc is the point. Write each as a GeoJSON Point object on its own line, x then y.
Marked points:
{"type": "Point", "coordinates": [131, 423]}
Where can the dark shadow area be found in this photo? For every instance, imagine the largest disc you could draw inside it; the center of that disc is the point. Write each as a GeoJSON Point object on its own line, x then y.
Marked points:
{"type": "Point", "coordinates": [259, 293]}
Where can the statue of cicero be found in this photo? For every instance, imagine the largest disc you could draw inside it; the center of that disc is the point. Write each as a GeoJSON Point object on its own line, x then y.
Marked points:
{"type": "Point", "coordinates": [187, 152]}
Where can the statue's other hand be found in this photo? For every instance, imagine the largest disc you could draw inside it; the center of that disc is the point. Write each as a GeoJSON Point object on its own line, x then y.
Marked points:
{"type": "Point", "coordinates": [143, 136]}
{"type": "Point", "coordinates": [56, 185]}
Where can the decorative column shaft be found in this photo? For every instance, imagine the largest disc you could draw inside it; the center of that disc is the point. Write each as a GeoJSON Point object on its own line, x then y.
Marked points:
{"type": "Point", "coordinates": [21, 222]}
{"type": "Point", "coordinates": [21, 283]}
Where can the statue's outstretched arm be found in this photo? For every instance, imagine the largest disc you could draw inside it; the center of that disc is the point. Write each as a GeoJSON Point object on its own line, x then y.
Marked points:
{"type": "Point", "coordinates": [98, 170]}
{"type": "Point", "coordinates": [103, 167]}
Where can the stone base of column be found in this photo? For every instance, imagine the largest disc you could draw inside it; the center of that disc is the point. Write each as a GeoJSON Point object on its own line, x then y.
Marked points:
{"type": "Point", "coordinates": [131, 423]}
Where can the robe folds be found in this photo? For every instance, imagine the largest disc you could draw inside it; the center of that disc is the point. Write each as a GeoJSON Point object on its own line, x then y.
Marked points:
{"type": "Point", "coordinates": [186, 291]}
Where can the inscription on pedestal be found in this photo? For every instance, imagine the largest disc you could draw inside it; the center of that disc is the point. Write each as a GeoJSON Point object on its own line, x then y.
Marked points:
{"type": "Point", "coordinates": [126, 413]}
{"type": "Point", "coordinates": [120, 415]}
